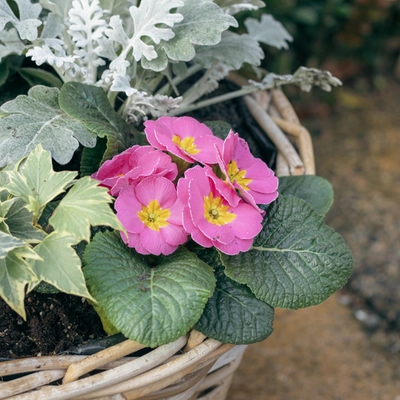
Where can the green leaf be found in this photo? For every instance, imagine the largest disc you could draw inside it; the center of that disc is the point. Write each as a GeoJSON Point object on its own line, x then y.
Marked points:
{"type": "Point", "coordinates": [233, 314]}
{"type": "Point", "coordinates": [268, 31]}
{"type": "Point", "coordinates": [296, 261]}
{"type": "Point", "coordinates": [60, 265]}
{"type": "Point", "coordinates": [313, 189]}
{"type": "Point", "coordinates": [85, 204]}
{"type": "Point", "coordinates": [151, 304]}
{"type": "Point", "coordinates": [35, 76]}
{"type": "Point", "coordinates": [219, 128]}
{"type": "Point", "coordinates": [15, 274]}
{"type": "Point", "coordinates": [9, 243]}
{"type": "Point", "coordinates": [233, 51]}
{"type": "Point", "coordinates": [38, 119]}
{"type": "Point", "coordinates": [89, 105]}
{"type": "Point", "coordinates": [19, 221]}
{"type": "Point", "coordinates": [36, 182]}
{"type": "Point", "coordinates": [92, 157]}
{"type": "Point", "coordinates": [203, 23]}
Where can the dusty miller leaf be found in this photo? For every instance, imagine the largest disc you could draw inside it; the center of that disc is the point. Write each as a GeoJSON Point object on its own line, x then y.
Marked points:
{"type": "Point", "coordinates": [38, 119]}
{"type": "Point", "coordinates": [233, 50]}
{"type": "Point", "coordinates": [27, 24]}
{"type": "Point", "coordinates": [234, 6]}
{"type": "Point", "coordinates": [10, 43]}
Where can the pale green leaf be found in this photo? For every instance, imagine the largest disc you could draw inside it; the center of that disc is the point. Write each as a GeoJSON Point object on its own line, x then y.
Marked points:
{"type": "Point", "coordinates": [37, 119]}
{"type": "Point", "coordinates": [296, 261]}
{"type": "Point", "coordinates": [233, 314]}
{"type": "Point", "coordinates": [234, 6]}
{"type": "Point", "coordinates": [268, 31]}
{"type": "Point", "coordinates": [36, 182]}
{"type": "Point", "coordinates": [89, 105]}
{"type": "Point", "coordinates": [85, 205]}
{"type": "Point", "coordinates": [203, 23]}
{"type": "Point", "coordinates": [316, 191]}
{"type": "Point", "coordinates": [232, 51]}
{"type": "Point", "coordinates": [27, 23]}
{"type": "Point", "coordinates": [59, 7]}
{"type": "Point", "coordinates": [10, 43]}
{"type": "Point", "coordinates": [19, 221]}
{"type": "Point", "coordinates": [9, 243]}
{"type": "Point", "coordinates": [60, 266]}
{"type": "Point", "coordinates": [151, 304]}
{"type": "Point", "coordinates": [15, 274]}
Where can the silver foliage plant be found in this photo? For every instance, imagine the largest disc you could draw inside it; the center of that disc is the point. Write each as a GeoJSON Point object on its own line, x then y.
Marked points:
{"type": "Point", "coordinates": [131, 47]}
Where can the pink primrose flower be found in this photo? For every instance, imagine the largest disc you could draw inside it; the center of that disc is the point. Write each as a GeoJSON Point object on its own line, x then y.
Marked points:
{"type": "Point", "coordinates": [256, 183]}
{"type": "Point", "coordinates": [152, 215]}
{"type": "Point", "coordinates": [211, 220]}
{"type": "Point", "coordinates": [133, 165]}
{"type": "Point", "coordinates": [185, 137]}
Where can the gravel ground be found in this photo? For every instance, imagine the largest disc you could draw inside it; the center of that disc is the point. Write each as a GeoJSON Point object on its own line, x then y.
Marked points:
{"type": "Point", "coordinates": [349, 346]}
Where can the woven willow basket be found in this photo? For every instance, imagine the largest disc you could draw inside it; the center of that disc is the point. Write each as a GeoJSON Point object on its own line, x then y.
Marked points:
{"type": "Point", "coordinates": [192, 367]}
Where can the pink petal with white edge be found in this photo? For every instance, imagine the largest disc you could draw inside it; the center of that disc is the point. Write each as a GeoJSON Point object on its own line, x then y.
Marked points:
{"type": "Point", "coordinates": [134, 242]}
{"type": "Point", "coordinates": [156, 188]}
{"type": "Point", "coordinates": [152, 242]}
{"type": "Point", "coordinates": [248, 222]}
{"type": "Point", "coordinates": [200, 239]}
{"type": "Point", "coordinates": [163, 124]}
{"type": "Point", "coordinates": [222, 234]}
{"type": "Point", "coordinates": [224, 188]}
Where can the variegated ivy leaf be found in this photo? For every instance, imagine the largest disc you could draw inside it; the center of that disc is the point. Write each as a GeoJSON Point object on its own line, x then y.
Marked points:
{"type": "Point", "coordinates": [36, 183]}
{"type": "Point", "coordinates": [268, 31]}
{"type": "Point", "coordinates": [27, 23]}
{"type": "Point", "coordinates": [234, 6]}
{"type": "Point", "coordinates": [84, 205]}
{"type": "Point", "coordinates": [303, 77]}
{"type": "Point", "coordinates": [38, 118]}
{"type": "Point", "coordinates": [15, 272]}
{"type": "Point", "coordinates": [149, 20]}
{"type": "Point", "coordinates": [232, 51]}
{"type": "Point", "coordinates": [60, 266]}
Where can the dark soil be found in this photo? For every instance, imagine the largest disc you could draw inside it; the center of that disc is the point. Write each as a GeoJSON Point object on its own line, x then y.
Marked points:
{"type": "Point", "coordinates": [54, 323]}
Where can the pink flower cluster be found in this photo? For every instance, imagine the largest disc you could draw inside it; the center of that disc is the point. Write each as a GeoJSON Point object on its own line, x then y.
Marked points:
{"type": "Point", "coordinates": [214, 201]}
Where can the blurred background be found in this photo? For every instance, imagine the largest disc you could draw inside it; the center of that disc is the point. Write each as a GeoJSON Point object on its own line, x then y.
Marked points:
{"type": "Point", "coordinates": [349, 346]}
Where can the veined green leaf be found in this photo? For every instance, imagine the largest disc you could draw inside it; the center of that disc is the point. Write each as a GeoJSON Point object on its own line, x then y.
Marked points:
{"type": "Point", "coordinates": [296, 261]}
{"type": "Point", "coordinates": [36, 182]}
{"type": "Point", "coordinates": [151, 304]}
{"type": "Point", "coordinates": [38, 119]}
{"type": "Point", "coordinates": [85, 204]}
{"type": "Point", "coordinates": [233, 314]}
{"type": "Point", "coordinates": [60, 266]}
{"type": "Point", "coordinates": [15, 274]}
{"type": "Point", "coordinates": [313, 189]}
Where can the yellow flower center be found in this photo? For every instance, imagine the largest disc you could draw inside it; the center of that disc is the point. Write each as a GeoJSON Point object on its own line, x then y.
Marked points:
{"type": "Point", "coordinates": [235, 174]}
{"type": "Point", "coordinates": [215, 212]}
{"type": "Point", "coordinates": [153, 216]}
{"type": "Point", "coordinates": [187, 144]}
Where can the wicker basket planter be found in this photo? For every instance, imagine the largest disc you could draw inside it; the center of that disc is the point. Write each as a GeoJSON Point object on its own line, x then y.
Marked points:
{"type": "Point", "coordinates": [192, 367]}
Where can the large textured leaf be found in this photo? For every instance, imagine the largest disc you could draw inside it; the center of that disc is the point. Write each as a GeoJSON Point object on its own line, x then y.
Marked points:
{"type": "Point", "coordinates": [85, 205]}
{"type": "Point", "coordinates": [268, 31]}
{"type": "Point", "coordinates": [232, 51]}
{"type": "Point", "coordinates": [17, 220]}
{"type": "Point", "coordinates": [37, 119]}
{"type": "Point", "coordinates": [36, 182]}
{"type": "Point", "coordinates": [90, 106]}
{"type": "Point", "coordinates": [27, 23]}
{"type": "Point", "coordinates": [60, 266]}
{"type": "Point", "coordinates": [313, 189]}
{"type": "Point", "coordinates": [233, 314]}
{"type": "Point", "coordinates": [203, 23]}
{"type": "Point", "coordinates": [15, 274]}
{"type": "Point", "coordinates": [296, 261]}
{"type": "Point", "coordinates": [151, 304]}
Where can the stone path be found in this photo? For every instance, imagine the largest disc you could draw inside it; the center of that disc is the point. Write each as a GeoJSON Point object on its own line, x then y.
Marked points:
{"type": "Point", "coordinates": [324, 352]}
